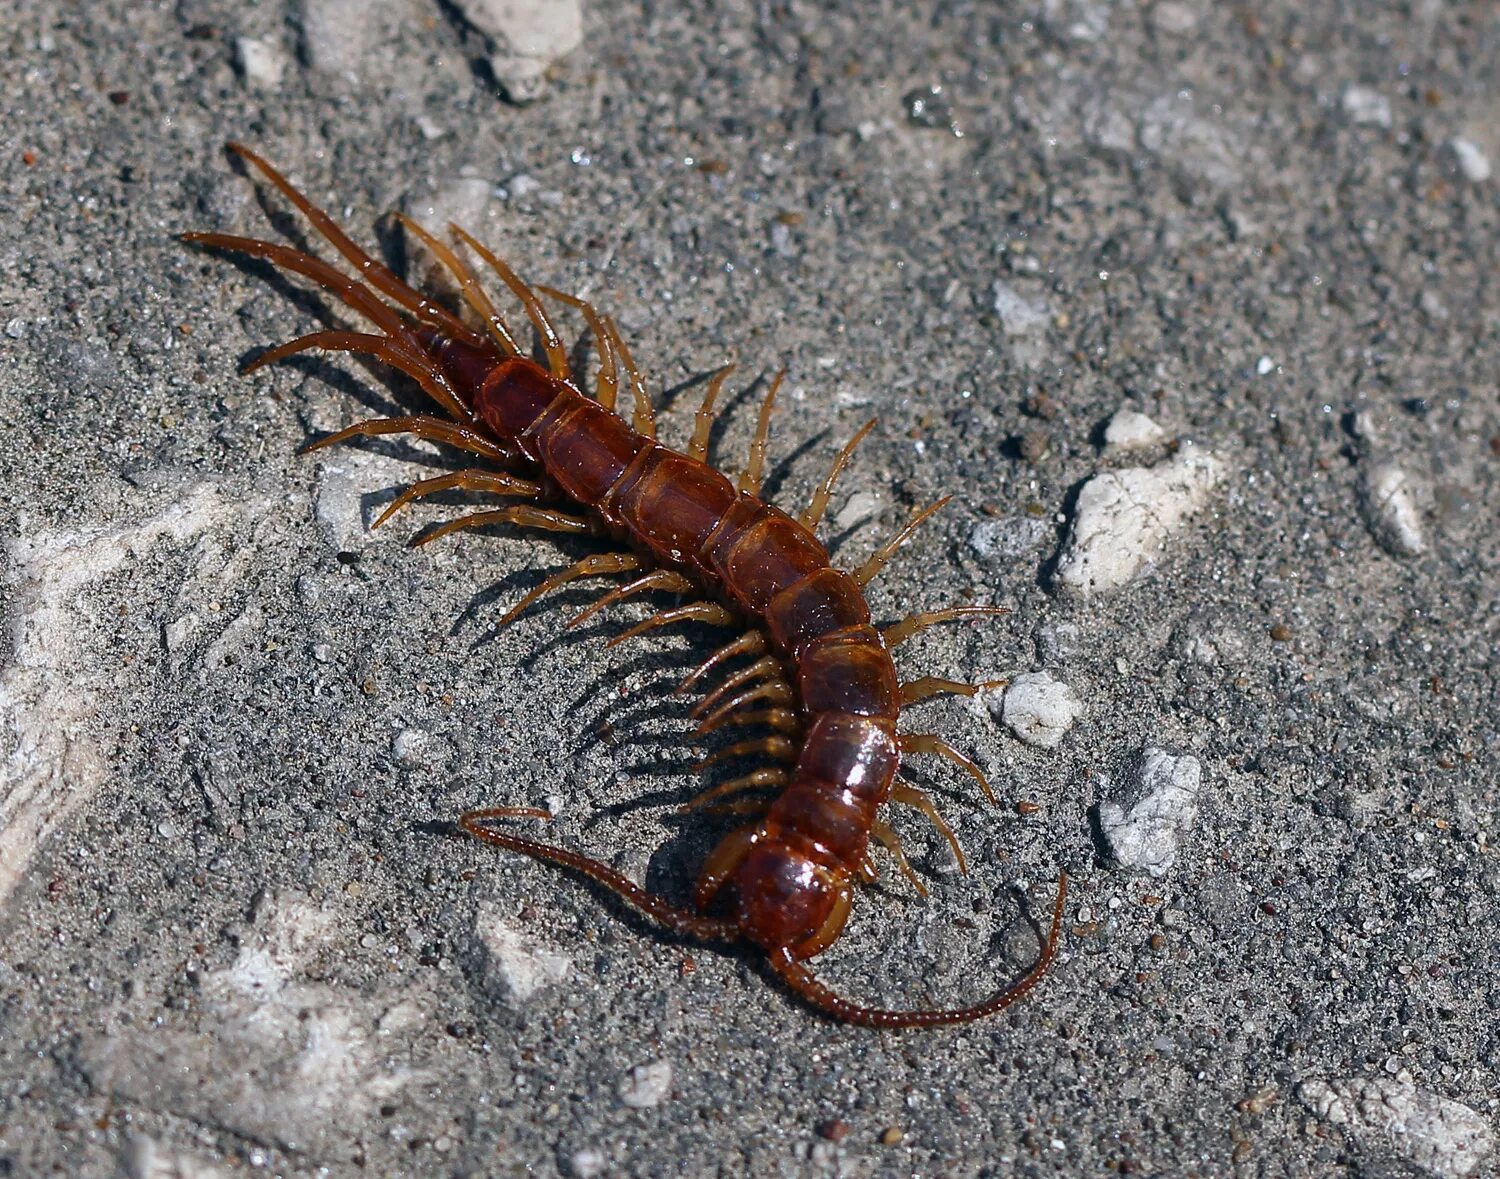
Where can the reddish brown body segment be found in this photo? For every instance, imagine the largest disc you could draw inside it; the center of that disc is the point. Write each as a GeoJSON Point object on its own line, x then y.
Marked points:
{"type": "Point", "coordinates": [824, 681]}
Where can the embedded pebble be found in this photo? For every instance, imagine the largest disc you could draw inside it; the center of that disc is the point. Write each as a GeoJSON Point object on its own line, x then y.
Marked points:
{"type": "Point", "coordinates": [861, 506]}
{"type": "Point", "coordinates": [145, 1158]}
{"type": "Point", "coordinates": [1472, 162]}
{"type": "Point", "coordinates": [587, 1163]}
{"type": "Point", "coordinates": [1386, 1116]}
{"type": "Point", "coordinates": [1150, 812]}
{"type": "Point", "coordinates": [1367, 107]}
{"type": "Point", "coordinates": [336, 507]}
{"type": "Point", "coordinates": [1197, 147]}
{"type": "Point", "coordinates": [338, 35]}
{"type": "Point", "coordinates": [1039, 709]}
{"type": "Point", "coordinates": [1175, 19]}
{"type": "Point", "coordinates": [646, 1085]}
{"type": "Point", "coordinates": [463, 200]}
{"type": "Point", "coordinates": [1123, 519]}
{"type": "Point", "coordinates": [1057, 642]}
{"type": "Point", "coordinates": [1019, 316]}
{"type": "Point", "coordinates": [1129, 429]}
{"type": "Point", "coordinates": [1007, 539]}
{"type": "Point", "coordinates": [526, 37]}
{"type": "Point", "coordinates": [1391, 501]}
{"type": "Point", "coordinates": [516, 966]}
{"type": "Point", "coordinates": [416, 748]}
{"type": "Point", "coordinates": [262, 63]}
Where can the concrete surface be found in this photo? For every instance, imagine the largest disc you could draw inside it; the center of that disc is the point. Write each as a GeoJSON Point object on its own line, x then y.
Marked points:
{"type": "Point", "coordinates": [240, 933]}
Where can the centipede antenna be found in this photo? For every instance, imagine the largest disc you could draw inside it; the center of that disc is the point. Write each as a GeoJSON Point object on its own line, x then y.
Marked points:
{"type": "Point", "coordinates": [378, 275]}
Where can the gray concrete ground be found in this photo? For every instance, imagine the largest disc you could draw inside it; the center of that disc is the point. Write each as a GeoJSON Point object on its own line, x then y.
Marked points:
{"type": "Point", "coordinates": [1256, 613]}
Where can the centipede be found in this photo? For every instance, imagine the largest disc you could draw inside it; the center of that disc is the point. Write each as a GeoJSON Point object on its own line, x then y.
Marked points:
{"type": "Point", "coordinates": [808, 671]}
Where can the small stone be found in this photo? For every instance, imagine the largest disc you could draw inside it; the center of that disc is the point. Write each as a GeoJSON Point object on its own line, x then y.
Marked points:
{"type": "Point", "coordinates": [1123, 519]}
{"type": "Point", "coordinates": [1472, 162]}
{"type": "Point", "coordinates": [1390, 499]}
{"type": "Point", "coordinates": [999, 542]}
{"type": "Point", "coordinates": [1019, 316]}
{"type": "Point", "coordinates": [526, 37]}
{"type": "Point", "coordinates": [1386, 1115]}
{"type": "Point", "coordinates": [262, 63]}
{"type": "Point", "coordinates": [1367, 107]}
{"type": "Point", "coordinates": [516, 966]}
{"type": "Point", "coordinates": [587, 1163]}
{"type": "Point", "coordinates": [1057, 642]}
{"type": "Point", "coordinates": [861, 506]}
{"type": "Point", "coordinates": [1151, 812]}
{"type": "Point", "coordinates": [1032, 445]}
{"type": "Point", "coordinates": [1129, 429]}
{"type": "Point", "coordinates": [646, 1085]}
{"type": "Point", "coordinates": [1039, 709]}
{"type": "Point", "coordinates": [891, 1136]}
{"type": "Point", "coordinates": [412, 748]}
{"type": "Point", "coordinates": [1177, 20]}
{"type": "Point", "coordinates": [834, 1129]}
{"type": "Point", "coordinates": [1281, 633]}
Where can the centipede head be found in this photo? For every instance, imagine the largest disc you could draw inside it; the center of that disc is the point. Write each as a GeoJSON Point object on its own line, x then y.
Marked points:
{"type": "Point", "coordinates": [787, 901]}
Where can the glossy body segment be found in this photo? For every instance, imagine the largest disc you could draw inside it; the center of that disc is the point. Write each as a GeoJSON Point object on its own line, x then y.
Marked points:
{"type": "Point", "coordinates": [792, 872]}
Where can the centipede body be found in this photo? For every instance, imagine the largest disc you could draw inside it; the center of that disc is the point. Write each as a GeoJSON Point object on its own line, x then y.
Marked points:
{"type": "Point", "coordinates": [811, 666]}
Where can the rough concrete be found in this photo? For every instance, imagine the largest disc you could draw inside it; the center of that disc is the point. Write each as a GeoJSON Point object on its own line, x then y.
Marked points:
{"type": "Point", "coordinates": [236, 726]}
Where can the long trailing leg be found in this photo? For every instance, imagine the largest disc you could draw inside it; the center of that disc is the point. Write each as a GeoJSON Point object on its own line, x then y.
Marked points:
{"type": "Point", "coordinates": [473, 479]}
{"type": "Point", "coordinates": [474, 294]}
{"type": "Point", "coordinates": [777, 748]}
{"type": "Point", "coordinates": [597, 565]}
{"type": "Point", "coordinates": [932, 743]}
{"type": "Point", "coordinates": [750, 478]}
{"type": "Point", "coordinates": [802, 981]}
{"type": "Point", "coordinates": [766, 667]}
{"type": "Point", "coordinates": [814, 514]}
{"type": "Point", "coordinates": [928, 686]}
{"type": "Point", "coordinates": [866, 572]}
{"type": "Point", "coordinates": [371, 270]}
{"type": "Point", "coordinates": [552, 345]}
{"type": "Point", "coordinates": [678, 920]}
{"type": "Point", "coordinates": [607, 382]}
{"type": "Point", "coordinates": [427, 428]}
{"type": "Point", "coordinates": [777, 693]}
{"type": "Point", "coordinates": [909, 627]}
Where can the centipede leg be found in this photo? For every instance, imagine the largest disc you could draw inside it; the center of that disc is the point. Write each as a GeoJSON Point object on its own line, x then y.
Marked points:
{"type": "Point", "coordinates": [749, 643]}
{"type": "Point", "coordinates": [892, 843]}
{"type": "Point", "coordinates": [777, 748]}
{"type": "Point", "coordinates": [708, 612]}
{"type": "Point", "coordinates": [473, 479]}
{"type": "Point", "coordinates": [765, 667]}
{"type": "Point", "coordinates": [552, 345]}
{"type": "Point", "coordinates": [908, 795]}
{"type": "Point", "coordinates": [931, 685]}
{"type": "Point", "coordinates": [607, 382]}
{"type": "Point", "coordinates": [804, 983]}
{"type": "Point", "coordinates": [866, 572]}
{"type": "Point", "coordinates": [417, 365]}
{"type": "Point", "coordinates": [597, 565]}
{"type": "Point", "coordinates": [658, 579]}
{"type": "Point", "coordinates": [678, 920]}
{"type": "Point", "coordinates": [546, 519]}
{"type": "Point", "coordinates": [932, 743]}
{"type": "Point", "coordinates": [750, 478]}
{"type": "Point", "coordinates": [722, 862]}
{"type": "Point", "coordinates": [373, 271]}
{"type": "Point", "coordinates": [909, 627]}
{"type": "Point", "coordinates": [758, 780]}
{"type": "Point", "coordinates": [427, 428]}
{"type": "Point", "coordinates": [775, 692]}
{"type": "Point", "coordinates": [474, 294]}
{"type": "Point", "coordinates": [814, 514]}
{"type": "Point", "coordinates": [783, 720]}
{"type": "Point", "coordinates": [703, 420]}
{"type": "Point", "coordinates": [643, 419]}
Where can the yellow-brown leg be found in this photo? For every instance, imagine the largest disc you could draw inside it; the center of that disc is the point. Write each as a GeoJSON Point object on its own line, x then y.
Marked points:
{"type": "Point", "coordinates": [908, 795]}
{"type": "Point", "coordinates": [866, 572]}
{"type": "Point", "coordinates": [814, 514]}
{"type": "Point", "coordinates": [607, 382]}
{"type": "Point", "coordinates": [750, 478]}
{"type": "Point", "coordinates": [703, 420]}
{"type": "Point", "coordinates": [898, 632]}
{"type": "Point", "coordinates": [597, 565]}
{"type": "Point", "coordinates": [473, 479]}
{"type": "Point", "coordinates": [552, 345]}
{"type": "Point", "coordinates": [546, 519]}
{"type": "Point", "coordinates": [427, 428]}
{"type": "Point", "coordinates": [474, 294]}
{"type": "Point", "coordinates": [931, 743]}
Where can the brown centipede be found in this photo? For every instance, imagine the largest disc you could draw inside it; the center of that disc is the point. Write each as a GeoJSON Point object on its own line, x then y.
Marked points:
{"type": "Point", "coordinates": [819, 674]}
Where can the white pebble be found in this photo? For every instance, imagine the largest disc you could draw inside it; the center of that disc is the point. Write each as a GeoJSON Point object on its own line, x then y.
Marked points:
{"type": "Point", "coordinates": [646, 1085]}
{"type": "Point", "coordinates": [1007, 539]}
{"type": "Point", "coordinates": [1123, 519]}
{"type": "Point", "coordinates": [587, 1163]}
{"type": "Point", "coordinates": [1039, 709]}
{"type": "Point", "coordinates": [1175, 19]}
{"type": "Point", "coordinates": [1472, 162]}
{"type": "Point", "coordinates": [1019, 316]}
{"type": "Point", "coordinates": [1155, 807]}
{"type": "Point", "coordinates": [1264, 366]}
{"type": "Point", "coordinates": [1367, 107]}
{"type": "Point", "coordinates": [1387, 1116]}
{"type": "Point", "coordinates": [1129, 429]}
{"type": "Point", "coordinates": [1390, 498]}
{"type": "Point", "coordinates": [411, 747]}
{"type": "Point", "coordinates": [516, 966]}
{"type": "Point", "coordinates": [861, 506]}
{"type": "Point", "coordinates": [526, 37]}
{"type": "Point", "coordinates": [337, 509]}
{"type": "Point", "coordinates": [261, 62]}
